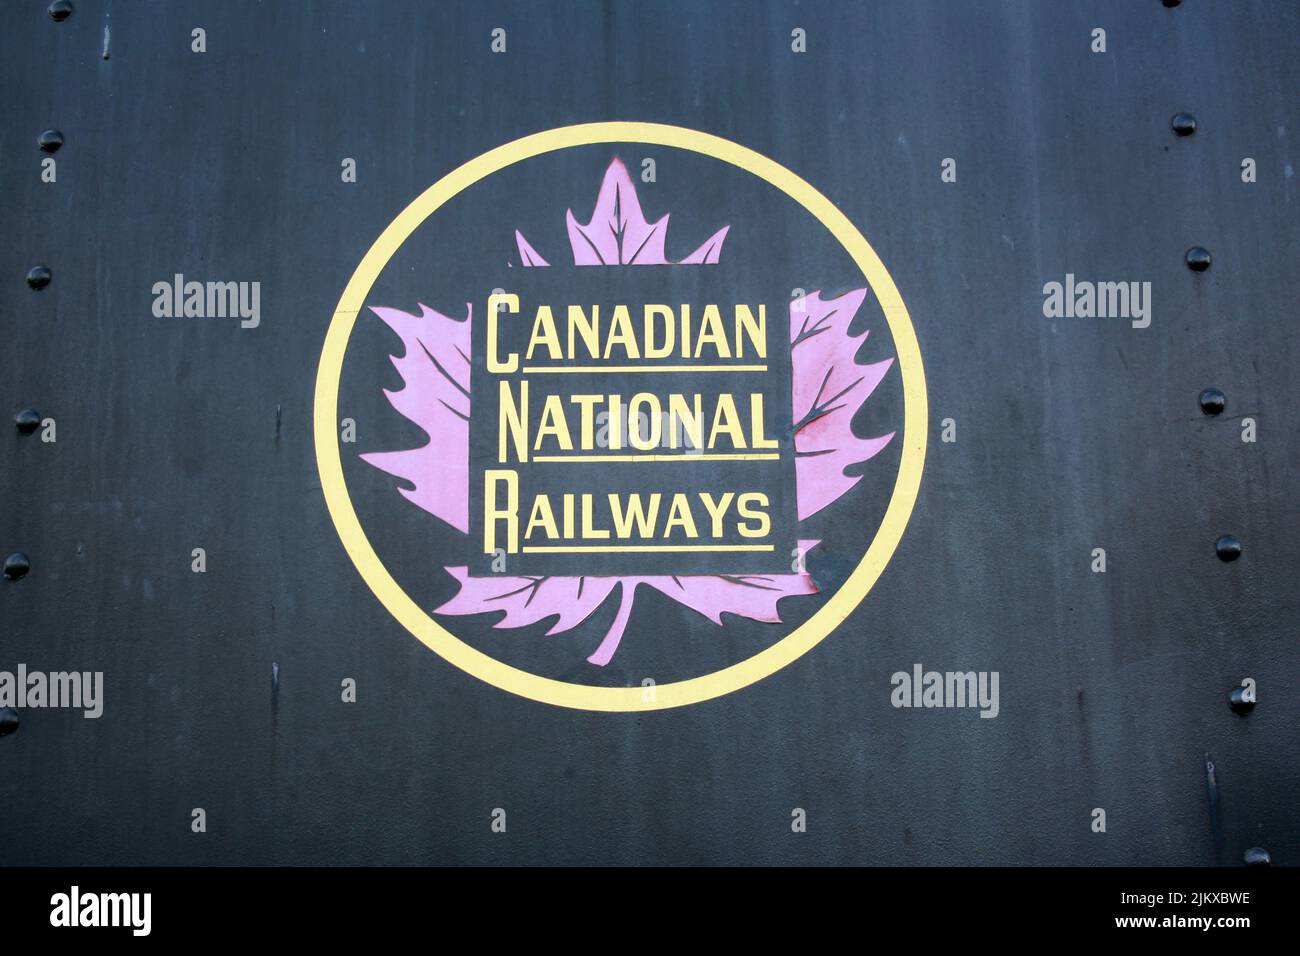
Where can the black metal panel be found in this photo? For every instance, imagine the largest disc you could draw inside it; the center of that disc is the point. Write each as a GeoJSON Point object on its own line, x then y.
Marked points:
{"type": "Point", "coordinates": [1072, 434]}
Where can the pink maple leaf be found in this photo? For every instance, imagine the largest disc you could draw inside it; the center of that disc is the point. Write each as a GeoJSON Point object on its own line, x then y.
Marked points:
{"type": "Point", "coordinates": [828, 388]}
{"type": "Point", "coordinates": [617, 233]}
{"type": "Point", "coordinates": [435, 369]}
{"type": "Point", "coordinates": [571, 600]}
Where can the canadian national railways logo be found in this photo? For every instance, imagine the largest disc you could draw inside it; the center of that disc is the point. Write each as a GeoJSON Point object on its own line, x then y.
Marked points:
{"type": "Point", "coordinates": [632, 470]}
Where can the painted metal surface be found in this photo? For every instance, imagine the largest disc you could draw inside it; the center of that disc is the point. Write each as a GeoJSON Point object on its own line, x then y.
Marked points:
{"type": "Point", "coordinates": [222, 689]}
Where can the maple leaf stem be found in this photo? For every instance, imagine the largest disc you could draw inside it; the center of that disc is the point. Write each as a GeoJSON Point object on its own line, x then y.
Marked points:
{"type": "Point", "coordinates": [609, 644]}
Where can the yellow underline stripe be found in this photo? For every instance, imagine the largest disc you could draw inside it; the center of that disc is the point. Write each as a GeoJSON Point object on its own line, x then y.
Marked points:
{"type": "Point", "coordinates": [760, 456]}
{"type": "Point", "coordinates": [537, 369]}
{"type": "Point", "coordinates": [605, 549]}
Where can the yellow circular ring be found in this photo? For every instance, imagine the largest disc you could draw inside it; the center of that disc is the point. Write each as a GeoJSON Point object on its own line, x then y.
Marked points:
{"type": "Point", "coordinates": [561, 693]}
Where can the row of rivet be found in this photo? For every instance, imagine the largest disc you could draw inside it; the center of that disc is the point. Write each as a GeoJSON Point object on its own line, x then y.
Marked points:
{"type": "Point", "coordinates": [28, 420]}
{"type": "Point", "coordinates": [1213, 402]}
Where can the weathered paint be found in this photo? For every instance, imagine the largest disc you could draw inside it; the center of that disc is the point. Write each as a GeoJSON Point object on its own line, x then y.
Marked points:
{"type": "Point", "coordinates": [1072, 434]}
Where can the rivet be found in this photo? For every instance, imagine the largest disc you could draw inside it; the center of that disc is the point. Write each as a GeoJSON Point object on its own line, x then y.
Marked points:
{"type": "Point", "coordinates": [60, 9]}
{"type": "Point", "coordinates": [1198, 259]}
{"type": "Point", "coordinates": [28, 420]}
{"type": "Point", "coordinates": [8, 721]}
{"type": "Point", "coordinates": [1213, 401]}
{"type": "Point", "coordinates": [1184, 124]}
{"type": "Point", "coordinates": [1228, 548]}
{"type": "Point", "coordinates": [1257, 856]}
{"type": "Point", "coordinates": [50, 140]}
{"type": "Point", "coordinates": [17, 565]}
{"type": "Point", "coordinates": [38, 277]}
{"type": "Point", "coordinates": [1238, 702]}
